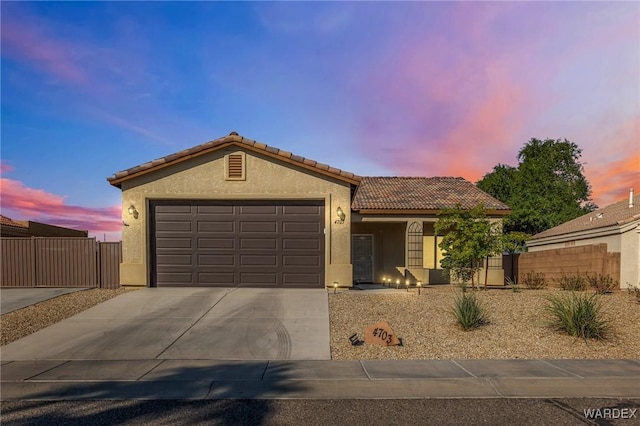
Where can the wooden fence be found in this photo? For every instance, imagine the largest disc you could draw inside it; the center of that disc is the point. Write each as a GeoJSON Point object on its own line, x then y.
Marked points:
{"type": "Point", "coordinates": [59, 262]}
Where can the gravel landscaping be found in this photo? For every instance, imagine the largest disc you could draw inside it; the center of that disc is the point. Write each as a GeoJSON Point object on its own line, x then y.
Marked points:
{"type": "Point", "coordinates": [18, 324]}
{"type": "Point", "coordinates": [518, 326]}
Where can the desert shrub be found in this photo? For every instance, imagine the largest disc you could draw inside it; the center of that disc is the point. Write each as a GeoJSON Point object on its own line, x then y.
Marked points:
{"type": "Point", "coordinates": [469, 312]}
{"type": "Point", "coordinates": [602, 283]}
{"type": "Point", "coordinates": [534, 280]}
{"type": "Point", "coordinates": [635, 290]}
{"type": "Point", "coordinates": [572, 282]}
{"type": "Point", "coordinates": [513, 284]}
{"type": "Point", "coordinates": [578, 314]}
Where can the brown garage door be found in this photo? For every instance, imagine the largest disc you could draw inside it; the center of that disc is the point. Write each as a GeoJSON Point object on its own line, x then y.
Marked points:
{"type": "Point", "coordinates": [239, 243]}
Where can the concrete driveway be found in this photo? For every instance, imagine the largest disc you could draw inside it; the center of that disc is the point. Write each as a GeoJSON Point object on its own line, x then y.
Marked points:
{"type": "Point", "coordinates": [12, 299]}
{"type": "Point", "coordinates": [189, 323]}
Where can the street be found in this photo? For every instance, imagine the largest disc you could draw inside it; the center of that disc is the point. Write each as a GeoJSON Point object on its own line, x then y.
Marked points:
{"type": "Point", "coordinates": [488, 411]}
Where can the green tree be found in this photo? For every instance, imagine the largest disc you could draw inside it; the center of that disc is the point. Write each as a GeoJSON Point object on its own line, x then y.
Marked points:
{"type": "Point", "coordinates": [547, 187]}
{"type": "Point", "coordinates": [469, 237]}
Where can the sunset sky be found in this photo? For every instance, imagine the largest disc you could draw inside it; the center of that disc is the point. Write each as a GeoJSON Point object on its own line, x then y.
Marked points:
{"type": "Point", "coordinates": [374, 88]}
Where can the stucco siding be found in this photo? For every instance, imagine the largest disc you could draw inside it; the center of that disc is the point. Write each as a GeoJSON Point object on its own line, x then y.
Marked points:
{"type": "Point", "coordinates": [630, 258]}
{"type": "Point", "coordinates": [203, 178]}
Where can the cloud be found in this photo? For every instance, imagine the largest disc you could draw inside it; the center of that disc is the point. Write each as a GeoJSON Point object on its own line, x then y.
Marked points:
{"type": "Point", "coordinates": [21, 202]}
{"type": "Point", "coordinates": [27, 42]}
{"type": "Point", "coordinates": [466, 93]}
{"type": "Point", "coordinates": [291, 17]}
{"type": "Point", "coordinates": [611, 175]}
{"type": "Point", "coordinates": [443, 105]}
{"type": "Point", "coordinates": [5, 168]}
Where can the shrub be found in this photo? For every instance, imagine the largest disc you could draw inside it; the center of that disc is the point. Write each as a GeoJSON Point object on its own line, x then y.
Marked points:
{"type": "Point", "coordinates": [469, 312]}
{"type": "Point", "coordinates": [632, 289]}
{"type": "Point", "coordinates": [534, 280]}
{"type": "Point", "coordinates": [513, 284]}
{"type": "Point", "coordinates": [602, 283]}
{"type": "Point", "coordinates": [578, 314]}
{"type": "Point", "coordinates": [572, 282]}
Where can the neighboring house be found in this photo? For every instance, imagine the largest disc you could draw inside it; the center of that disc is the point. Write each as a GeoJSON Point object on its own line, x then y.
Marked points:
{"type": "Point", "coordinates": [27, 228]}
{"type": "Point", "coordinates": [235, 212]}
{"type": "Point", "coordinates": [604, 241]}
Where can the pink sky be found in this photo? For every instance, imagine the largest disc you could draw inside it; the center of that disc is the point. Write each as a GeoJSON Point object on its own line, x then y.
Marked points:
{"type": "Point", "coordinates": [422, 89]}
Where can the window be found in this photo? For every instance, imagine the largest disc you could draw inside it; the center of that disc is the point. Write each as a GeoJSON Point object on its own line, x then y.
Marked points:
{"type": "Point", "coordinates": [235, 166]}
{"type": "Point", "coordinates": [414, 245]}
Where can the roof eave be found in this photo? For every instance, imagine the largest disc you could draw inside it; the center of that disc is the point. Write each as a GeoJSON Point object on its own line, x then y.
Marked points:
{"type": "Point", "coordinates": [492, 212]}
{"type": "Point", "coordinates": [117, 181]}
{"type": "Point", "coordinates": [582, 234]}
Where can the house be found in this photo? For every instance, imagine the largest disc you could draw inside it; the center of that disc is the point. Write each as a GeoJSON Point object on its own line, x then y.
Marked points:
{"type": "Point", "coordinates": [605, 241]}
{"type": "Point", "coordinates": [28, 228]}
{"type": "Point", "coordinates": [236, 212]}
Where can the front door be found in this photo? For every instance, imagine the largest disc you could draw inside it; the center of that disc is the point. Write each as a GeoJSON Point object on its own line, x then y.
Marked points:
{"type": "Point", "coordinates": [362, 258]}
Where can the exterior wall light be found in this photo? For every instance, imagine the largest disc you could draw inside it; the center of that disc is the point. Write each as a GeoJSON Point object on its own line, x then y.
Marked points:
{"type": "Point", "coordinates": [132, 211]}
{"type": "Point", "coordinates": [341, 215]}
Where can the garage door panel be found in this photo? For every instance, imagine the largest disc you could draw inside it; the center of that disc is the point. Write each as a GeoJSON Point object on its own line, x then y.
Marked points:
{"type": "Point", "coordinates": [238, 243]}
{"type": "Point", "coordinates": [215, 210]}
{"type": "Point", "coordinates": [248, 260]}
{"type": "Point", "coordinates": [213, 226]}
{"type": "Point", "coordinates": [175, 277]}
{"type": "Point", "coordinates": [216, 260]}
{"type": "Point", "coordinates": [175, 259]}
{"type": "Point", "coordinates": [171, 243]}
{"type": "Point", "coordinates": [217, 243]}
{"type": "Point", "coordinates": [301, 244]}
{"type": "Point", "coordinates": [259, 210]}
{"type": "Point", "coordinates": [269, 227]}
{"type": "Point", "coordinates": [173, 208]}
{"type": "Point", "coordinates": [173, 226]}
{"type": "Point", "coordinates": [301, 227]}
{"type": "Point", "coordinates": [258, 243]}
{"type": "Point", "coordinates": [301, 210]}
{"type": "Point", "coordinates": [311, 260]}
{"type": "Point", "coordinates": [216, 278]}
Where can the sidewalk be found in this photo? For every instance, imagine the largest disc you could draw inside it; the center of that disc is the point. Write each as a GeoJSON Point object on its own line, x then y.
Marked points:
{"type": "Point", "coordinates": [206, 379]}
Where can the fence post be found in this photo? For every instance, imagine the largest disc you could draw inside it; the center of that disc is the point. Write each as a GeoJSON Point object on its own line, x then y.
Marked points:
{"type": "Point", "coordinates": [99, 263]}
{"type": "Point", "coordinates": [34, 253]}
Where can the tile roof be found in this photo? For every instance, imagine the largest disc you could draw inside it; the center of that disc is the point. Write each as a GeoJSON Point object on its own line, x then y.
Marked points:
{"type": "Point", "coordinates": [421, 193]}
{"type": "Point", "coordinates": [232, 139]}
{"type": "Point", "coordinates": [612, 215]}
{"type": "Point", "coordinates": [10, 222]}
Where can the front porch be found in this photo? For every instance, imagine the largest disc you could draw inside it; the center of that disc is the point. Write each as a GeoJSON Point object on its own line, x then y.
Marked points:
{"type": "Point", "coordinates": [404, 248]}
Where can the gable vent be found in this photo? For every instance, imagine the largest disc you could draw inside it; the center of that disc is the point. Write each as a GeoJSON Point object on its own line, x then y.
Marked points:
{"type": "Point", "coordinates": [235, 166]}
